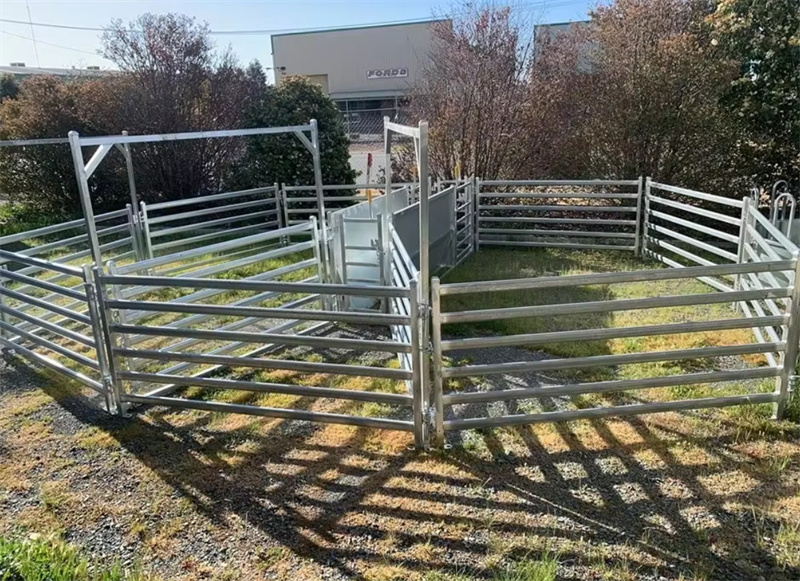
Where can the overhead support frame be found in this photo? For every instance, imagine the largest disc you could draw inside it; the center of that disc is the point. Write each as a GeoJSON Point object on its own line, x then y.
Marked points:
{"type": "Point", "coordinates": [104, 144]}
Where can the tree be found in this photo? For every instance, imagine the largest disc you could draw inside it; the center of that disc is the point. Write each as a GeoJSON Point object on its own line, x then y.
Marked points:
{"type": "Point", "coordinates": [174, 81]}
{"type": "Point", "coordinates": [762, 37]}
{"type": "Point", "coordinates": [643, 83]}
{"type": "Point", "coordinates": [8, 87]}
{"type": "Point", "coordinates": [42, 176]}
{"type": "Point", "coordinates": [470, 88]}
{"type": "Point", "coordinates": [283, 158]}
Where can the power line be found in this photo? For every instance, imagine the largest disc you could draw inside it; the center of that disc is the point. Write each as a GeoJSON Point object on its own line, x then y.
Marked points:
{"type": "Point", "coordinates": [33, 36]}
{"type": "Point", "coordinates": [49, 43]}
{"type": "Point", "coordinates": [531, 5]}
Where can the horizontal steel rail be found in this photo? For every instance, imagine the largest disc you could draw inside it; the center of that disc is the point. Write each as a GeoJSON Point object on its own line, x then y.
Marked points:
{"type": "Point", "coordinates": [575, 222]}
{"type": "Point", "coordinates": [484, 183]}
{"type": "Point", "coordinates": [44, 324]}
{"type": "Point", "coordinates": [606, 412]}
{"type": "Point", "coordinates": [48, 306]}
{"type": "Point", "coordinates": [212, 236]}
{"type": "Point", "coordinates": [574, 245]}
{"type": "Point", "coordinates": [563, 195]}
{"type": "Point", "coordinates": [610, 386]}
{"type": "Point", "coordinates": [779, 236]}
{"type": "Point", "coordinates": [720, 286]}
{"type": "Point", "coordinates": [212, 198]}
{"type": "Point", "coordinates": [43, 284]}
{"type": "Point", "coordinates": [50, 345]}
{"type": "Point", "coordinates": [230, 348]}
{"type": "Point", "coordinates": [281, 413]}
{"type": "Point", "coordinates": [610, 360]}
{"type": "Point", "coordinates": [286, 364]}
{"type": "Point", "coordinates": [557, 208]}
{"type": "Point", "coordinates": [613, 277]}
{"type": "Point", "coordinates": [41, 264]}
{"type": "Point", "coordinates": [154, 221]}
{"type": "Point", "coordinates": [693, 241]}
{"type": "Point", "coordinates": [171, 231]}
{"type": "Point", "coordinates": [214, 248]}
{"type": "Point", "coordinates": [329, 342]}
{"type": "Point", "coordinates": [260, 312]}
{"type": "Point", "coordinates": [546, 338]}
{"type": "Point", "coordinates": [659, 243]}
{"type": "Point", "coordinates": [694, 226]}
{"type": "Point", "coordinates": [613, 305]}
{"type": "Point", "coordinates": [122, 139]}
{"type": "Point", "coordinates": [735, 221]}
{"type": "Point", "coordinates": [55, 366]}
{"type": "Point", "coordinates": [245, 285]}
{"type": "Point", "coordinates": [698, 195]}
{"type": "Point", "coordinates": [560, 233]}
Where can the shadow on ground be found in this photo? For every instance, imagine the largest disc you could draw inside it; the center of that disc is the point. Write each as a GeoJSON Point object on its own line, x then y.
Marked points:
{"type": "Point", "coordinates": [625, 499]}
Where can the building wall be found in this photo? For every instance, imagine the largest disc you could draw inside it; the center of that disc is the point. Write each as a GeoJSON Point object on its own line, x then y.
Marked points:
{"type": "Point", "coordinates": [376, 61]}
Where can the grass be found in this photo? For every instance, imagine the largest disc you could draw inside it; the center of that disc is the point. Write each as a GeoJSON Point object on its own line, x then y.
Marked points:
{"type": "Point", "coordinates": [38, 558]}
{"type": "Point", "coordinates": [503, 264]}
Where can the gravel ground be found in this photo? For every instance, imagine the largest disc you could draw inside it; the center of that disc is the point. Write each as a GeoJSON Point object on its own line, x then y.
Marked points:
{"type": "Point", "coordinates": [192, 495]}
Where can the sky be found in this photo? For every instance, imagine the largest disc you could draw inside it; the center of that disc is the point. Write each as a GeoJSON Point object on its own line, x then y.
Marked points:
{"type": "Point", "coordinates": [67, 48]}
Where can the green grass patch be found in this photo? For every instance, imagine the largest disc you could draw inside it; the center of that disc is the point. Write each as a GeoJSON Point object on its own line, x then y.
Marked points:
{"type": "Point", "coordinates": [39, 558]}
{"type": "Point", "coordinates": [536, 262]}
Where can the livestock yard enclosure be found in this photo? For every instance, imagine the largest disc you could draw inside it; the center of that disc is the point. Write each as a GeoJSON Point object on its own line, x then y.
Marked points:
{"type": "Point", "coordinates": [319, 299]}
{"type": "Point", "coordinates": [468, 361]}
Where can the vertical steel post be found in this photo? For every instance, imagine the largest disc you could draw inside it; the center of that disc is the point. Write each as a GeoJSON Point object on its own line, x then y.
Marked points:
{"type": "Point", "coordinates": [380, 255]}
{"type": "Point", "coordinates": [387, 156]}
{"type": "Point", "coordinates": [109, 340]}
{"type": "Point", "coordinates": [100, 348]}
{"type": "Point", "coordinates": [4, 334]}
{"type": "Point", "coordinates": [477, 218]}
{"type": "Point", "coordinates": [148, 243]}
{"type": "Point", "coordinates": [637, 251]}
{"type": "Point", "coordinates": [317, 171]}
{"type": "Point", "coordinates": [285, 206]}
{"type": "Point", "coordinates": [646, 220]}
{"type": "Point", "coordinates": [416, 357]}
{"type": "Point", "coordinates": [792, 338]}
{"type": "Point", "coordinates": [339, 220]}
{"type": "Point", "coordinates": [424, 213]}
{"type": "Point", "coordinates": [278, 208]}
{"type": "Point", "coordinates": [740, 251]}
{"type": "Point", "coordinates": [126, 153]}
{"type": "Point", "coordinates": [86, 201]}
{"type": "Point", "coordinates": [315, 239]}
{"type": "Point", "coordinates": [133, 230]}
{"type": "Point", "coordinates": [438, 383]}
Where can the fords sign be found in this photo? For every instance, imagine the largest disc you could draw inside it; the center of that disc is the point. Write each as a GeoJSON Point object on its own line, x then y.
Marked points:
{"type": "Point", "coordinates": [387, 73]}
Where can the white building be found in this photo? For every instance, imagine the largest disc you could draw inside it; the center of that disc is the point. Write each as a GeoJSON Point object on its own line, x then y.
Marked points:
{"type": "Point", "coordinates": [366, 70]}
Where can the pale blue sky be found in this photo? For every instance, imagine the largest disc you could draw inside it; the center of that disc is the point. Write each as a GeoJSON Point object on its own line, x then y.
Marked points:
{"type": "Point", "coordinates": [78, 47]}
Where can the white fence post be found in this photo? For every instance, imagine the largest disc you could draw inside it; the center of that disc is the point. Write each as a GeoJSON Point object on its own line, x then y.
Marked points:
{"type": "Point", "coordinates": [740, 251]}
{"type": "Point", "coordinates": [637, 251]}
{"type": "Point", "coordinates": [646, 217]}
{"type": "Point", "coordinates": [792, 339]}
{"type": "Point", "coordinates": [417, 390]}
{"type": "Point", "coordinates": [436, 355]}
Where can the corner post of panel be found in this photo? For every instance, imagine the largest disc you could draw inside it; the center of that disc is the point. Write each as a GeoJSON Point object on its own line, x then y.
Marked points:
{"type": "Point", "coordinates": [317, 171]}
{"type": "Point", "coordinates": [637, 251]}
{"type": "Point", "coordinates": [416, 356]}
{"type": "Point", "coordinates": [646, 221]}
{"type": "Point", "coordinates": [98, 335]}
{"type": "Point", "coordinates": [424, 213]}
{"type": "Point", "coordinates": [85, 197]}
{"type": "Point", "coordinates": [791, 338]}
{"type": "Point", "coordinates": [436, 347]}
{"type": "Point", "coordinates": [387, 156]}
{"type": "Point", "coordinates": [109, 343]}
{"type": "Point", "coordinates": [741, 255]}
